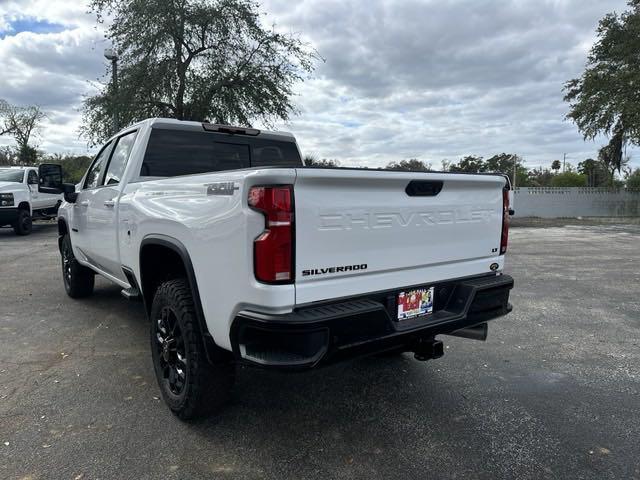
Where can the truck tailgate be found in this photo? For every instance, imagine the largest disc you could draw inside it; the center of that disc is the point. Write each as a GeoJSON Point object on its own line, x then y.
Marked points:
{"type": "Point", "coordinates": [360, 231]}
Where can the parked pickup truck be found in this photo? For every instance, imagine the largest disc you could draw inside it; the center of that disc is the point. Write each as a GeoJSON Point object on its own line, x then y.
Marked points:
{"type": "Point", "coordinates": [241, 254]}
{"type": "Point", "coordinates": [20, 200]}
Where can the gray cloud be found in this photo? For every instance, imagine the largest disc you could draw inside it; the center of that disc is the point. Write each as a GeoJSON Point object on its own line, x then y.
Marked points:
{"type": "Point", "coordinates": [49, 69]}
{"type": "Point", "coordinates": [444, 79]}
{"type": "Point", "coordinates": [426, 79]}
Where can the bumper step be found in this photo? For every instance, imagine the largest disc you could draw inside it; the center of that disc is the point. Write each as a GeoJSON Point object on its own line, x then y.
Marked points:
{"type": "Point", "coordinates": [331, 332]}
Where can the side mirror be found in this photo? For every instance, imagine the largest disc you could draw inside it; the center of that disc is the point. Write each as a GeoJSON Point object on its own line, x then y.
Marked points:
{"type": "Point", "coordinates": [70, 194]}
{"type": "Point", "coordinates": [50, 178]}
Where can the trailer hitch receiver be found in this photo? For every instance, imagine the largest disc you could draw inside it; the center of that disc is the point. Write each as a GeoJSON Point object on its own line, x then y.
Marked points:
{"type": "Point", "coordinates": [428, 349]}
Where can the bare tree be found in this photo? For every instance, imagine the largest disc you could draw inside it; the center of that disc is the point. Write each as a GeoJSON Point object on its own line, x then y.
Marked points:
{"type": "Point", "coordinates": [6, 126]}
{"type": "Point", "coordinates": [7, 157]}
{"type": "Point", "coordinates": [21, 123]}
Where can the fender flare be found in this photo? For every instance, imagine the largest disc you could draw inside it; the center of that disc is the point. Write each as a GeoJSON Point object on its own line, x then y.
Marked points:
{"type": "Point", "coordinates": [63, 229]}
{"type": "Point", "coordinates": [178, 247]}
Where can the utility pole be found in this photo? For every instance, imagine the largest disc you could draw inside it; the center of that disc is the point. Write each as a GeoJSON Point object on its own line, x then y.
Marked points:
{"type": "Point", "coordinates": [564, 162]}
{"type": "Point", "coordinates": [110, 54]}
{"type": "Point", "coordinates": [515, 164]}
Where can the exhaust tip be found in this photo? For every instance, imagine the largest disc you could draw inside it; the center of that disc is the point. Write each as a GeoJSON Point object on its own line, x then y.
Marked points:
{"type": "Point", "coordinates": [477, 332]}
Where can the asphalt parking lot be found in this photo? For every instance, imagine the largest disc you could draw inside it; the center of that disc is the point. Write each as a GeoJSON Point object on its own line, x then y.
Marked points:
{"type": "Point", "coordinates": [553, 393]}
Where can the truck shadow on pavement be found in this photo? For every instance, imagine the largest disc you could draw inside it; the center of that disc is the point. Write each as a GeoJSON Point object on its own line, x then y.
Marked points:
{"type": "Point", "coordinates": [358, 412]}
{"type": "Point", "coordinates": [386, 415]}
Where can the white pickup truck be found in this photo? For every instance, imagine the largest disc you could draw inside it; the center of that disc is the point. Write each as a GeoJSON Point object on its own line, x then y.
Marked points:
{"type": "Point", "coordinates": [243, 255]}
{"type": "Point", "coordinates": [20, 200]}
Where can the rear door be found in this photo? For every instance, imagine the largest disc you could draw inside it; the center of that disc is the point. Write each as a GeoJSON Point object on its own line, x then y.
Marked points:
{"type": "Point", "coordinates": [361, 231]}
{"type": "Point", "coordinates": [83, 221]}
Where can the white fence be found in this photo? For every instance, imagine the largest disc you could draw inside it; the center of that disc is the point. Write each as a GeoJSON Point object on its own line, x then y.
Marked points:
{"type": "Point", "coordinates": [561, 202]}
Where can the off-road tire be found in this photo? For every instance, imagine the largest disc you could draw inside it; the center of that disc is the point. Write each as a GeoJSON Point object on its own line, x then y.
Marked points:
{"type": "Point", "coordinates": [205, 387]}
{"type": "Point", "coordinates": [23, 224]}
{"type": "Point", "coordinates": [78, 279]}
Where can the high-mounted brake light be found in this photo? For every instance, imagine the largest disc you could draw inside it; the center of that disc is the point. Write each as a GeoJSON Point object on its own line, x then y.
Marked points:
{"type": "Point", "coordinates": [273, 249]}
{"type": "Point", "coordinates": [504, 239]}
{"type": "Point", "coordinates": [214, 127]}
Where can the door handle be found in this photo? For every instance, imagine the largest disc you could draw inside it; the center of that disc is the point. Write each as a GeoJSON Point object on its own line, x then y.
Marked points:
{"type": "Point", "coordinates": [84, 203]}
{"type": "Point", "coordinates": [109, 203]}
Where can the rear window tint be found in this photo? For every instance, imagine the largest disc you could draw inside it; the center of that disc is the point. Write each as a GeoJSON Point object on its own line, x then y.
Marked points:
{"type": "Point", "coordinates": [269, 153]}
{"type": "Point", "coordinates": [178, 152]}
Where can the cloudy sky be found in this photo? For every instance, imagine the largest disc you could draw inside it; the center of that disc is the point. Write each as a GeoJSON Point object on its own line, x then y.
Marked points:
{"type": "Point", "coordinates": [402, 79]}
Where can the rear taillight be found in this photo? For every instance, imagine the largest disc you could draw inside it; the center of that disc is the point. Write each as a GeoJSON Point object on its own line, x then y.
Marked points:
{"type": "Point", "coordinates": [273, 249]}
{"type": "Point", "coordinates": [504, 239]}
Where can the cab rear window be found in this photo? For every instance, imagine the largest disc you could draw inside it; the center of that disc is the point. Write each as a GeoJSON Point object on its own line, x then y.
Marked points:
{"type": "Point", "coordinates": [180, 152]}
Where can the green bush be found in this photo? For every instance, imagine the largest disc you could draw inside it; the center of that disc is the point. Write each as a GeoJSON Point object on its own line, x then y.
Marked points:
{"type": "Point", "coordinates": [633, 181]}
{"type": "Point", "coordinates": [73, 166]}
{"type": "Point", "coordinates": [569, 179]}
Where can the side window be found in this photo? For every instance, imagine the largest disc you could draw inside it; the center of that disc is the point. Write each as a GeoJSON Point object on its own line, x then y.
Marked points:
{"type": "Point", "coordinates": [119, 159]}
{"type": "Point", "coordinates": [32, 179]}
{"type": "Point", "coordinates": [93, 175]}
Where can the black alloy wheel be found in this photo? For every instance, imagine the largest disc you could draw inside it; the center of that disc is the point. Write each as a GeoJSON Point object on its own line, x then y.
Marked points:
{"type": "Point", "coordinates": [192, 386]}
{"type": "Point", "coordinates": [78, 279]}
{"type": "Point", "coordinates": [171, 351]}
{"type": "Point", "coordinates": [24, 224]}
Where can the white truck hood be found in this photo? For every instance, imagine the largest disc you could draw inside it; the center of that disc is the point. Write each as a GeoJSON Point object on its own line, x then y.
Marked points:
{"type": "Point", "coordinates": [11, 186]}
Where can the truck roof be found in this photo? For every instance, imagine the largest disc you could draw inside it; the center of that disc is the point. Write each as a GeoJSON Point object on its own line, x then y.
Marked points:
{"type": "Point", "coordinates": [173, 124]}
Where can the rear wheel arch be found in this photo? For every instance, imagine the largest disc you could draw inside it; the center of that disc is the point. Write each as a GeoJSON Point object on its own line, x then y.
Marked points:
{"type": "Point", "coordinates": [176, 263]}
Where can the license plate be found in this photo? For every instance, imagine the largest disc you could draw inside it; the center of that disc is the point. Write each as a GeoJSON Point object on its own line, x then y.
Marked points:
{"type": "Point", "coordinates": [415, 303]}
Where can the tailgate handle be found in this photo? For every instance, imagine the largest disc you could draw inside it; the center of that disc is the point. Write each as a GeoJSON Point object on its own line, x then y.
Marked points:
{"type": "Point", "coordinates": [424, 188]}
